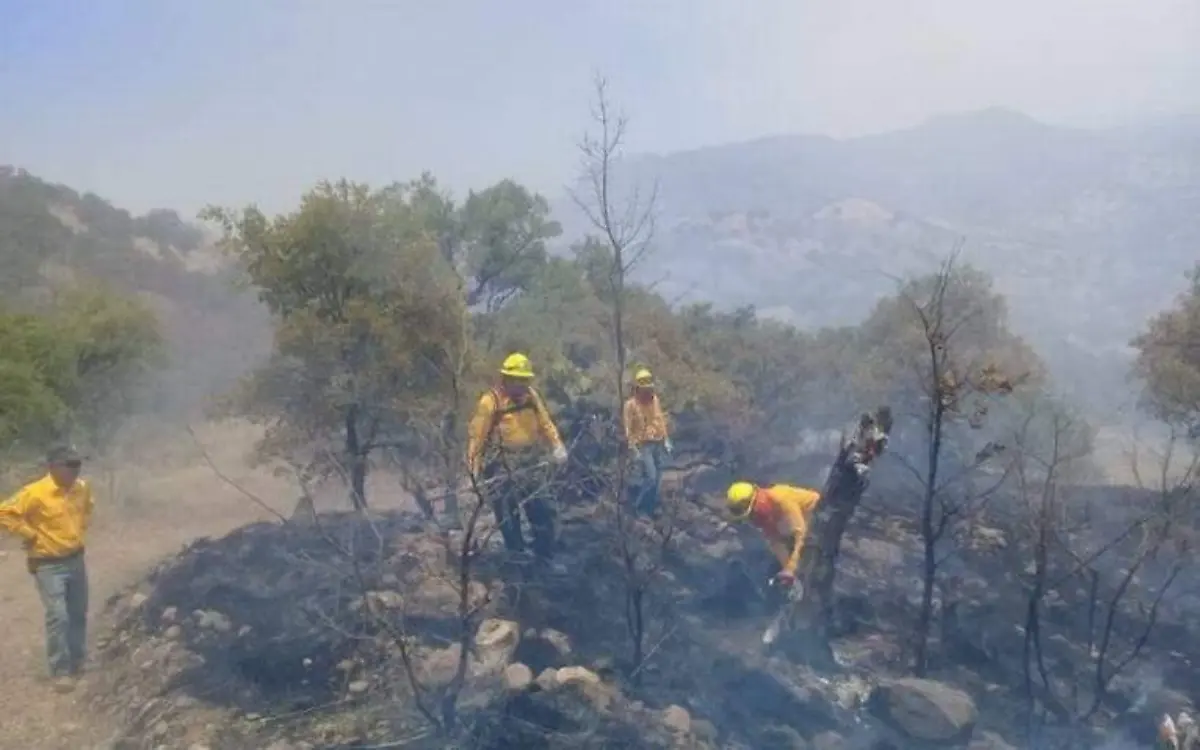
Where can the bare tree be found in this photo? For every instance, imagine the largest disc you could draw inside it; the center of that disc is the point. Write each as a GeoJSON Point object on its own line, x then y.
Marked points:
{"type": "Point", "coordinates": [955, 388]}
{"type": "Point", "coordinates": [841, 497]}
{"type": "Point", "coordinates": [624, 219]}
{"type": "Point", "coordinates": [1114, 563]}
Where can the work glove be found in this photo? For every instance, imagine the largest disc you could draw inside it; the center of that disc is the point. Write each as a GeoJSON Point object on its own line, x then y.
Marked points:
{"type": "Point", "coordinates": [668, 447]}
{"type": "Point", "coordinates": [784, 579]}
{"type": "Point", "coordinates": [560, 454]}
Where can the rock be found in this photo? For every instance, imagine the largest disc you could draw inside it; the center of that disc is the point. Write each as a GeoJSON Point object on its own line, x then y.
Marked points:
{"type": "Point", "coordinates": [160, 729]}
{"type": "Point", "coordinates": [495, 642]}
{"type": "Point", "coordinates": [558, 640]}
{"type": "Point", "coordinates": [576, 676]}
{"type": "Point", "coordinates": [170, 614]}
{"type": "Point", "coordinates": [829, 741]}
{"type": "Point", "coordinates": [439, 666]}
{"type": "Point", "coordinates": [925, 710]}
{"type": "Point", "coordinates": [677, 719]}
{"type": "Point", "coordinates": [989, 741]}
{"type": "Point", "coordinates": [385, 600]}
{"type": "Point", "coordinates": [213, 620]}
{"type": "Point", "coordinates": [587, 683]}
{"type": "Point", "coordinates": [517, 677]}
{"type": "Point", "coordinates": [281, 745]}
{"type": "Point", "coordinates": [244, 631]}
{"type": "Point", "coordinates": [137, 600]}
{"type": "Point", "coordinates": [548, 679]}
{"type": "Point", "coordinates": [358, 687]}
{"type": "Point", "coordinates": [173, 632]}
{"type": "Point", "coordinates": [780, 737]}
{"type": "Point", "coordinates": [197, 746]}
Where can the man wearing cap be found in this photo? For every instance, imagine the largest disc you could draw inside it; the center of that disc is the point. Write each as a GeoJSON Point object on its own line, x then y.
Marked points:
{"type": "Point", "coordinates": [52, 516]}
{"type": "Point", "coordinates": [506, 442]}
{"type": "Point", "coordinates": [648, 437]}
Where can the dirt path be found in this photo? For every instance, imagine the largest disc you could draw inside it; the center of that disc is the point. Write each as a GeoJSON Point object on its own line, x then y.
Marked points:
{"type": "Point", "coordinates": [123, 546]}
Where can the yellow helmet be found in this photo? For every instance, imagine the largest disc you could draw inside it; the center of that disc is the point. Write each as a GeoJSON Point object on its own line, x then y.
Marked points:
{"type": "Point", "coordinates": [643, 377]}
{"type": "Point", "coordinates": [517, 365]}
{"type": "Point", "coordinates": [740, 499]}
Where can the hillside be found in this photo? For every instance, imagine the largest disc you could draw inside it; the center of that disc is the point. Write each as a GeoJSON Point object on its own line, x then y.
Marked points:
{"type": "Point", "coordinates": [1098, 227]}
{"type": "Point", "coordinates": [51, 232]}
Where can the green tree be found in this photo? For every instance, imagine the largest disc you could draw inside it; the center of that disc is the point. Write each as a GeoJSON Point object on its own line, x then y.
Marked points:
{"type": "Point", "coordinates": [115, 345]}
{"type": "Point", "coordinates": [1168, 361]}
{"type": "Point", "coordinates": [35, 375]}
{"type": "Point", "coordinates": [369, 321]}
{"type": "Point", "coordinates": [504, 231]}
{"type": "Point", "coordinates": [74, 369]}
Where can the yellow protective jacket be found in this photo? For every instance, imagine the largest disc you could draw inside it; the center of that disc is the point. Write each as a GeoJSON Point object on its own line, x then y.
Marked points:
{"type": "Point", "coordinates": [500, 422]}
{"type": "Point", "coordinates": [781, 513]}
{"type": "Point", "coordinates": [52, 521]}
{"type": "Point", "coordinates": [644, 421]}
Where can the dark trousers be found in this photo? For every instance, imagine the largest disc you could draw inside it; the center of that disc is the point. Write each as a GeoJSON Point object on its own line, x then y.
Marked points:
{"type": "Point", "coordinates": [516, 485]}
{"type": "Point", "coordinates": [63, 588]}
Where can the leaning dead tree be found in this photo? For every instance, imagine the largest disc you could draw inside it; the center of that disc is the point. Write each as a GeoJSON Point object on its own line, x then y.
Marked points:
{"type": "Point", "coordinates": [841, 496]}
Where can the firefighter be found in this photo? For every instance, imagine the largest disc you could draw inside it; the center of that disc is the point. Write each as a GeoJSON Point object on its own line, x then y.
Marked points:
{"type": "Point", "coordinates": [648, 437]}
{"type": "Point", "coordinates": [781, 513]}
{"type": "Point", "coordinates": [52, 516]}
{"type": "Point", "coordinates": [507, 440]}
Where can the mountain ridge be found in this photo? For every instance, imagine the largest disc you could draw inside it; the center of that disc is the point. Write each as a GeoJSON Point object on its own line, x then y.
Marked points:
{"type": "Point", "coordinates": [1087, 231]}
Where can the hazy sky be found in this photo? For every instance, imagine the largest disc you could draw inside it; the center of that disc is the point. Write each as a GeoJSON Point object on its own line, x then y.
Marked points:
{"type": "Point", "coordinates": [174, 103]}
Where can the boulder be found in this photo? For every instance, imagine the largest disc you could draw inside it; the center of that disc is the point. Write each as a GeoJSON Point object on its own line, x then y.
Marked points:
{"type": "Point", "coordinates": [495, 643]}
{"type": "Point", "coordinates": [587, 683]}
{"type": "Point", "coordinates": [677, 719]}
{"type": "Point", "coordinates": [547, 679]}
{"type": "Point", "coordinates": [208, 619]}
{"type": "Point", "coordinates": [925, 711]}
{"type": "Point", "coordinates": [517, 677]}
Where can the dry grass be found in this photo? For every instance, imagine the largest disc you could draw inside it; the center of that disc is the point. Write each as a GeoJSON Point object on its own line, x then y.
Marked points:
{"type": "Point", "coordinates": [166, 496]}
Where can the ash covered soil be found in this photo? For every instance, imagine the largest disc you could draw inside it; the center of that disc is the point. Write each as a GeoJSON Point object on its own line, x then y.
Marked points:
{"type": "Point", "coordinates": [309, 635]}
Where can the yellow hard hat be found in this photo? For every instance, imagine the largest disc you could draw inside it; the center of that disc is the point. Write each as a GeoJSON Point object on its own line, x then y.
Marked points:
{"type": "Point", "coordinates": [740, 499]}
{"type": "Point", "coordinates": [643, 377]}
{"type": "Point", "coordinates": [517, 365]}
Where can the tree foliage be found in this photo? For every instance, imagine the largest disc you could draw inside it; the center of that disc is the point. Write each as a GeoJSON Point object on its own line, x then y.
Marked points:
{"type": "Point", "coordinates": [368, 320]}
{"type": "Point", "coordinates": [74, 369]}
{"type": "Point", "coordinates": [1168, 360]}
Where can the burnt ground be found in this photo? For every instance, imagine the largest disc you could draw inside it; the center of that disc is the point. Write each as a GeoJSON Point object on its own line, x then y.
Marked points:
{"type": "Point", "coordinates": [263, 636]}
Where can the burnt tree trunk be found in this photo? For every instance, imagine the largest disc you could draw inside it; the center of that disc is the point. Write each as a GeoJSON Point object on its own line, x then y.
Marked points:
{"type": "Point", "coordinates": [357, 460]}
{"type": "Point", "coordinates": [841, 496]}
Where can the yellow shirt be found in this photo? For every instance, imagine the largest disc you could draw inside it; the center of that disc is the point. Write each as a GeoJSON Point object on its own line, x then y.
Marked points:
{"type": "Point", "coordinates": [51, 520]}
{"type": "Point", "coordinates": [513, 425]}
{"type": "Point", "coordinates": [644, 421]}
{"type": "Point", "coordinates": [781, 513]}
